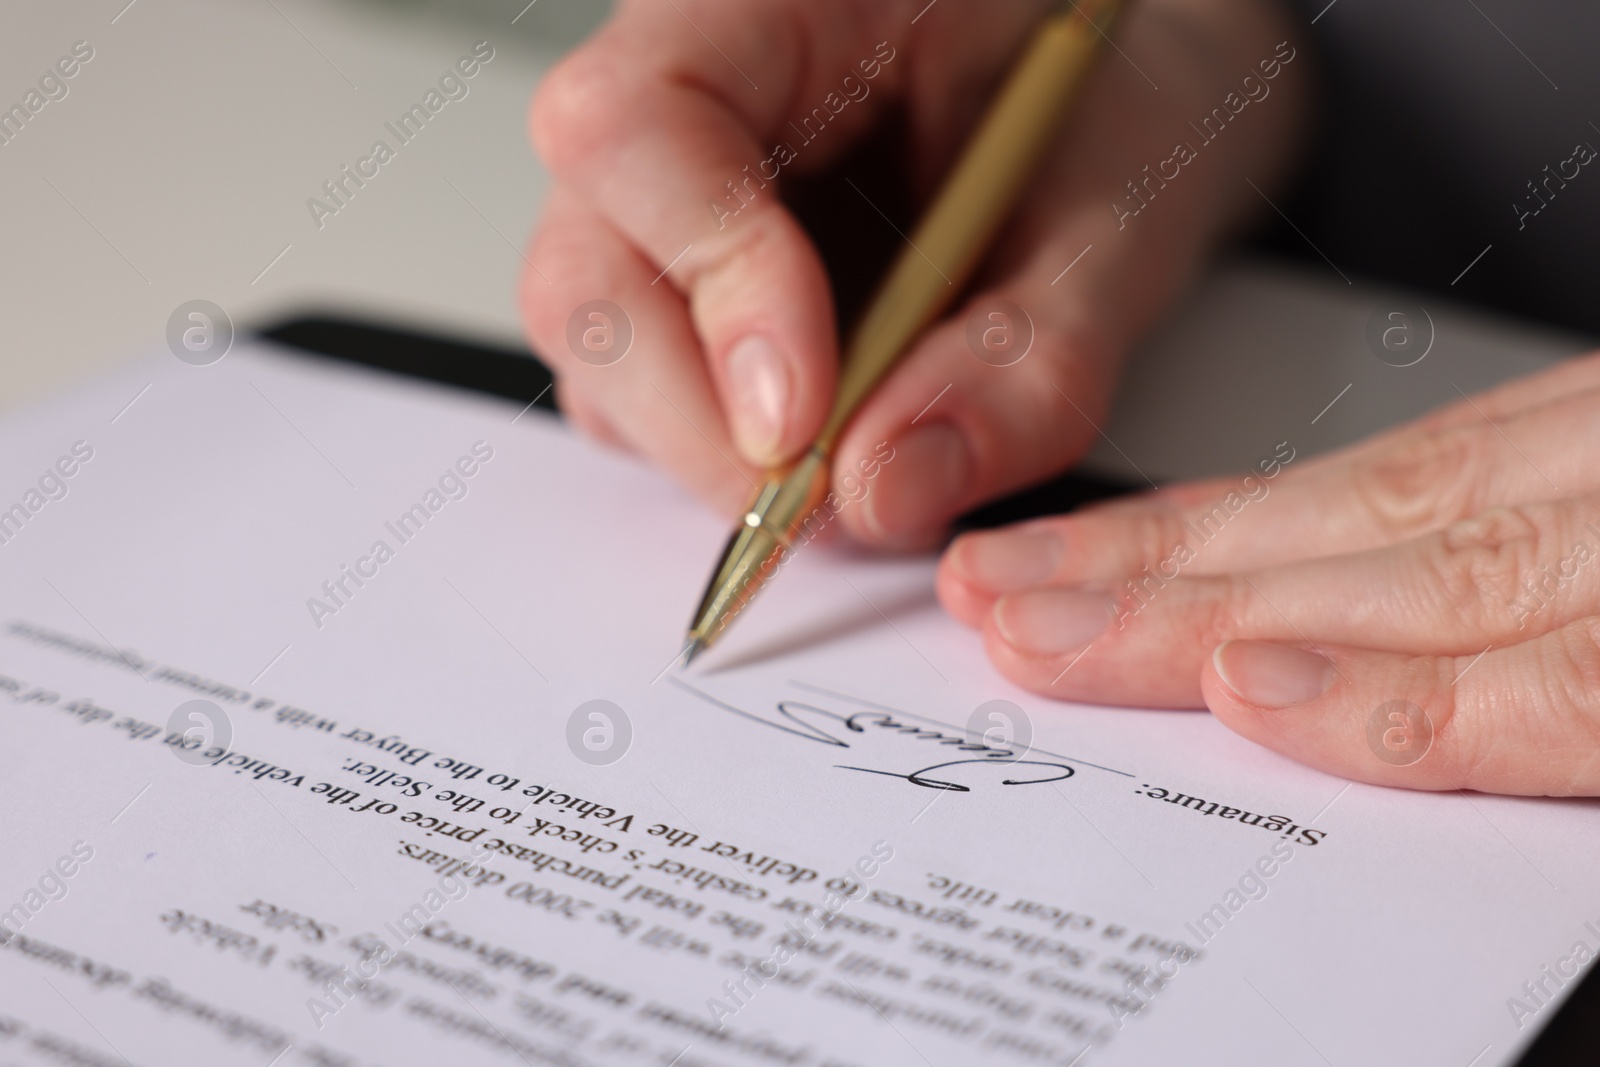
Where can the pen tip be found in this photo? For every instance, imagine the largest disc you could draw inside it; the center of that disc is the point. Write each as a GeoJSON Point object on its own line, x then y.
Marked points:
{"type": "Point", "coordinates": [694, 647]}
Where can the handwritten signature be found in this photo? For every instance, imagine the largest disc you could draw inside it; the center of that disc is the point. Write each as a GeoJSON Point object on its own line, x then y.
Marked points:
{"type": "Point", "coordinates": [821, 725]}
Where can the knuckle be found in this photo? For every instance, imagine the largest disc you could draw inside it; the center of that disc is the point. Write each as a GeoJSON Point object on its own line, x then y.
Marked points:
{"type": "Point", "coordinates": [1426, 480]}
{"type": "Point", "coordinates": [575, 110]}
{"type": "Point", "coordinates": [1475, 566]}
{"type": "Point", "coordinates": [1465, 738]}
{"type": "Point", "coordinates": [1155, 541]}
{"type": "Point", "coordinates": [1576, 679]}
{"type": "Point", "coordinates": [1076, 357]}
{"type": "Point", "coordinates": [1544, 706]}
{"type": "Point", "coordinates": [1224, 613]}
{"type": "Point", "coordinates": [736, 260]}
{"type": "Point", "coordinates": [1547, 709]}
{"type": "Point", "coordinates": [1078, 349]}
{"type": "Point", "coordinates": [1058, 419]}
{"type": "Point", "coordinates": [1017, 427]}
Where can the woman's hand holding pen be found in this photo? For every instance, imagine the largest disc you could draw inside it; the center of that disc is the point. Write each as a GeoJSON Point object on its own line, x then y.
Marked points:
{"type": "Point", "coordinates": [735, 346]}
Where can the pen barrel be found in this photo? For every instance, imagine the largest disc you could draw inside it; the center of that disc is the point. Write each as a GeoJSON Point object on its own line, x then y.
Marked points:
{"type": "Point", "coordinates": [974, 201]}
{"type": "Point", "coordinates": [776, 518]}
{"type": "Point", "coordinates": [928, 275]}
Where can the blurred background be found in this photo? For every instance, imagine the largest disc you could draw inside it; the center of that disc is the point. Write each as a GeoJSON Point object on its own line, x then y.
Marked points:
{"type": "Point", "coordinates": [179, 164]}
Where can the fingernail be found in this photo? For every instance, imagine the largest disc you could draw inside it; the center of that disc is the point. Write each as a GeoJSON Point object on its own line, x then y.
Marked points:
{"type": "Point", "coordinates": [1272, 676]}
{"type": "Point", "coordinates": [1050, 622]}
{"type": "Point", "coordinates": [1007, 562]}
{"type": "Point", "coordinates": [759, 387]}
{"type": "Point", "coordinates": [924, 484]}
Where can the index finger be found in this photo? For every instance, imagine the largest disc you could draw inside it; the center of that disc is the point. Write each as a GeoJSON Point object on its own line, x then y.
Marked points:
{"type": "Point", "coordinates": [660, 124]}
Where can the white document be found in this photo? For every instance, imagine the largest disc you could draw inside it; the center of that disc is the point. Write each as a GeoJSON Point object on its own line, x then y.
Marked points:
{"type": "Point", "coordinates": [338, 729]}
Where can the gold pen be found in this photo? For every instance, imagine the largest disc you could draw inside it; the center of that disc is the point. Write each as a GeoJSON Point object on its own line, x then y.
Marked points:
{"type": "Point", "coordinates": [975, 199]}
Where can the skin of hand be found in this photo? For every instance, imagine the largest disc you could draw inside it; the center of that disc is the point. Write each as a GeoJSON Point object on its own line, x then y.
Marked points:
{"type": "Point", "coordinates": [1419, 610]}
{"type": "Point", "coordinates": [735, 349]}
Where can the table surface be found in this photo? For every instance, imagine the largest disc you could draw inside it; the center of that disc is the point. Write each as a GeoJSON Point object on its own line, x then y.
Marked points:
{"type": "Point", "coordinates": [180, 163]}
